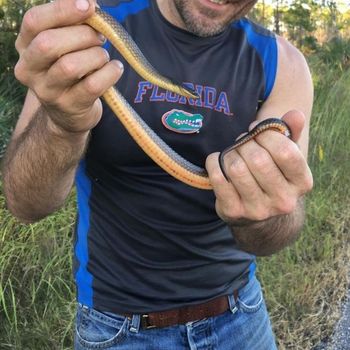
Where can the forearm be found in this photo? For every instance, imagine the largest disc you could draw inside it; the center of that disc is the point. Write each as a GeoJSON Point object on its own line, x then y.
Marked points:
{"type": "Point", "coordinates": [266, 237]}
{"type": "Point", "coordinates": [39, 168]}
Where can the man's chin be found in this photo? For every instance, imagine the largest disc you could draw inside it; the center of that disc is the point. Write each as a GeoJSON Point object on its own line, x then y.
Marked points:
{"type": "Point", "coordinates": [206, 30]}
{"type": "Point", "coordinates": [205, 18]}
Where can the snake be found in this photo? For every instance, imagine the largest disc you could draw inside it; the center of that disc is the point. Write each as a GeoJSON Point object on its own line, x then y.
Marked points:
{"type": "Point", "coordinates": [160, 152]}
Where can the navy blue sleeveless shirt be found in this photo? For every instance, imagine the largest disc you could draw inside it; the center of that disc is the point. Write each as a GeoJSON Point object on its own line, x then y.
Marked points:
{"type": "Point", "coordinates": [145, 241]}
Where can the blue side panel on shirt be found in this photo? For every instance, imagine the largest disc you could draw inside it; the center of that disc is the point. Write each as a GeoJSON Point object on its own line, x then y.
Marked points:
{"type": "Point", "coordinates": [266, 46]}
{"type": "Point", "coordinates": [252, 268]}
{"type": "Point", "coordinates": [83, 277]}
{"type": "Point", "coordinates": [123, 10]}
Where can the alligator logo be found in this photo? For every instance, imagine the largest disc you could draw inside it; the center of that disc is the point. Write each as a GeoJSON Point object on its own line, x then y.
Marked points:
{"type": "Point", "coordinates": [182, 122]}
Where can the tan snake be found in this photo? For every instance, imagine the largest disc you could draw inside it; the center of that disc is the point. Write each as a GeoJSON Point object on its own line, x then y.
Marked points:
{"type": "Point", "coordinates": [144, 136]}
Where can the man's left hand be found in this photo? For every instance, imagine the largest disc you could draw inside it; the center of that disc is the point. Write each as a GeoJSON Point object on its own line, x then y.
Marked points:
{"type": "Point", "coordinates": [267, 175]}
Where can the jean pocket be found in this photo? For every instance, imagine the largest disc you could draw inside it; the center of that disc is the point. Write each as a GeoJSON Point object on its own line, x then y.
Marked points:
{"type": "Point", "coordinates": [96, 330]}
{"type": "Point", "coordinates": [250, 297]}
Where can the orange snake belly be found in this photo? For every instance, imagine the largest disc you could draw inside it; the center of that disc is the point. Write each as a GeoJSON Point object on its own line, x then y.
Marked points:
{"type": "Point", "coordinates": [144, 136]}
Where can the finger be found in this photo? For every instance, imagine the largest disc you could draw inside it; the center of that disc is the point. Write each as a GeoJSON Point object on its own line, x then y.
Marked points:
{"type": "Point", "coordinates": [59, 13]}
{"type": "Point", "coordinates": [242, 179]}
{"type": "Point", "coordinates": [224, 191]}
{"type": "Point", "coordinates": [69, 69]}
{"type": "Point", "coordinates": [289, 159]}
{"type": "Point", "coordinates": [264, 169]}
{"type": "Point", "coordinates": [74, 66]}
{"type": "Point", "coordinates": [51, 44]}
{"type": "Point", "coordinates": [296, 121]}
{"type": "Point", "coordinates": [94, 85]}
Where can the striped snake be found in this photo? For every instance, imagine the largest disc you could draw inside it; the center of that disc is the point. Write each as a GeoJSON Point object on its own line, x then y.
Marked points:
{"type": "Point", "coordinates": [144, 136]}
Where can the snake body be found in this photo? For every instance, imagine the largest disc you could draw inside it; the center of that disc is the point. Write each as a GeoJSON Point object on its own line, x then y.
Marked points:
{"type": "Point", "coordinates": [144, 136]}
{"type": "Point", "coordinates": [267, 124]}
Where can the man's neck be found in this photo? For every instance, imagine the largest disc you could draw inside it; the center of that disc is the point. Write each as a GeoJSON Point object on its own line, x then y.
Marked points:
{"type": "Point", "coordinates": [169, 11]}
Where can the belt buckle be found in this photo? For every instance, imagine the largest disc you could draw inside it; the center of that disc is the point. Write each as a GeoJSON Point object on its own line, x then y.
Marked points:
{"type": "Point", "coordinates": [145, 323]}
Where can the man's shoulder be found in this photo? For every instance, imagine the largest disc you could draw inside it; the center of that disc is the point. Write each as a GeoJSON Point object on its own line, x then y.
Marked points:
{"type": "Point", "coordinates": [289, 54]}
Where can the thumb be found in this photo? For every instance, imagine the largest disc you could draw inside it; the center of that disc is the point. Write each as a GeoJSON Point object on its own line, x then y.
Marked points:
{"type": "Point", "coordinates": [295, 120]}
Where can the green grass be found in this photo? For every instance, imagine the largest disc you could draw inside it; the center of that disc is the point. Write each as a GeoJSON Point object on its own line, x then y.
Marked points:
{"type": "Point", "coordinates": [304, 283]}
{"type": "Point", "coordinates": [36, 289]}
{"type": "Point", "coordinates": [11, 95]}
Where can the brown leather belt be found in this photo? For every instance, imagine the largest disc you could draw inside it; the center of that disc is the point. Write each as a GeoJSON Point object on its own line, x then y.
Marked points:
{"type": "Point", "coordinates": [185, 314]}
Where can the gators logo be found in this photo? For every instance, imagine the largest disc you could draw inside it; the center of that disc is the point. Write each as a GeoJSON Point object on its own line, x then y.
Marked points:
{"type": "Point", "coordinates": [182, 122]}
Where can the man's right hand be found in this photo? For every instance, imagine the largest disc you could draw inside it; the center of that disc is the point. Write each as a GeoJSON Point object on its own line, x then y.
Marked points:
{"type": "Point", "coordinates": [63, 63]}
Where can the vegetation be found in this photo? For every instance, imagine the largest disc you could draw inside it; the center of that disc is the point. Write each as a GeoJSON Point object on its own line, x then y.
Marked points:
{"type": "Point", "coordinates": [304, 284]}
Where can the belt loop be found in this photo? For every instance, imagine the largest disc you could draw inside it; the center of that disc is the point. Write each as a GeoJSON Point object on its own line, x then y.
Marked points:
{"type": "Point", "coordinates": [232, 302]}
{"type": "Point", "coordinates": [135, 324]}
{"type": "Point", "coordinates": [84, 308]}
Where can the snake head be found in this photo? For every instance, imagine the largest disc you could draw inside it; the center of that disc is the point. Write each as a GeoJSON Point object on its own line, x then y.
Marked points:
{"type": "Point", "coordinates": [189, 92]}
{"type": "Point", "coordinates": [183, 89]}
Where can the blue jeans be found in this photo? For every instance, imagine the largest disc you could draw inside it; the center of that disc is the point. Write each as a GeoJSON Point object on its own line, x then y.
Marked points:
{"type": "Point", "coordinates": [245, 327]}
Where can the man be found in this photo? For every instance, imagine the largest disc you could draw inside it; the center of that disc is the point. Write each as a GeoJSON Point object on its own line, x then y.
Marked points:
{"type": "Point", "coordinates": [158, 264]}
